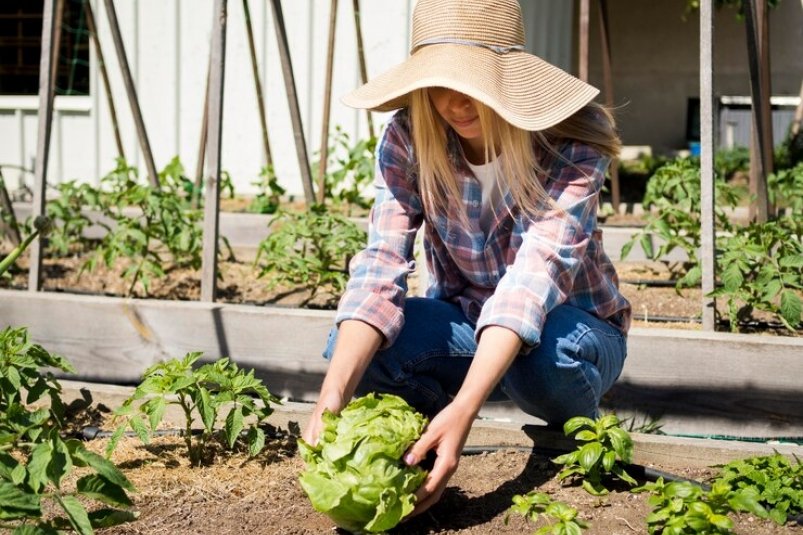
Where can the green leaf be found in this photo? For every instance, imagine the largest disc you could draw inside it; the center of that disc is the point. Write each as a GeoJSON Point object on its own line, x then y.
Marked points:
{"type": "Point", "coordinates": [114, 440]}
{"type": "Point", "coordinates": [790, 307]}
{"type": "Point", "coordinates": [590, 455]}
{"type": "Point", "coordinates": [103, 490]}
{"type": "Point", "coordinates": [14, 503]}
{"type": "Point", "coordinates": [139, 427]}
{"type": "Point", "coordinates": [206, 408]}
{"type": "Point", "coordinates": [60, 463]}
{"type": "Point", "coordinates": [108, 518]}
{"type": "Point", "coordinates": [33, 529]}
{"type": "Point", "coordinates": [155, 409]}
{"type": "Point", "coordinates": [40, 458]}
{"type": "Point", "coordinates": [234, 424]}
{"type": "Point", "coordinates": [76, 514]}
{"type": "Point", "coordinates": [573, 424]}
{"type": "Point", "coordinates": [256, 441]}
{"type": "Point", "coordinates": [101, 465]}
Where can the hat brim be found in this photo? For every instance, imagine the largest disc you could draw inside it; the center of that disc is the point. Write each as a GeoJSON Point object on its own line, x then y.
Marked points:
{"type": "Point", "coordinates": [523, 89]}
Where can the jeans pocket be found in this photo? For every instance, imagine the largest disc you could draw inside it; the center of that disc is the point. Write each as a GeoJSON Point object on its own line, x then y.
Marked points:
{"type": "Point", "coordinates": [606, 351]}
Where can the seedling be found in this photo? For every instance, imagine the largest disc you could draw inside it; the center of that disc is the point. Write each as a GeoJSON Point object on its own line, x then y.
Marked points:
{"type": "Point", "coordinates": [606, 446]}
{"type": "Point", "coordinates": [681, 508]}
{"type": "Point", "coordinates": [561, 518]}
{"type": "Point", "coordinates": [206, 391]}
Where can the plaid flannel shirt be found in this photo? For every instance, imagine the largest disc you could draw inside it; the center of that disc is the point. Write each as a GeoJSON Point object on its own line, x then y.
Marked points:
{"type": "Point", "coordinates": [513, 276]}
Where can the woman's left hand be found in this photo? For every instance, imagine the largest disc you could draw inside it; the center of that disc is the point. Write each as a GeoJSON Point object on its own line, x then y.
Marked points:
{"type": "Point", "coordinates": [446, 434]}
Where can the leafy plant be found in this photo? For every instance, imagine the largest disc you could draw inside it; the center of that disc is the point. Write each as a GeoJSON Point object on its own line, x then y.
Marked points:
{"type": "Point", "coordinates": [206, 391]}
{"type": "Point", "coordinates": [605, 447]}
{"type": "Point", "coordinates": [771, 486]}
{"type": "Point", "coordinates": [309, 249]}
{"type": "Point", "coordinates": [355, 474]}
{"type": "Point", "coordinates": [561, 517]}
{"type": "Point", "coordinates": [42, 226]}
{"type": "Point", "coordinates": [761, 267]}
{"type": "Point", "coordinates": [350, 170]}
{"type": "Point", "coordinates": [681, 508]}
{"type": "Point", "coordinates": [68, 215]}
{"type": "Point", "coordinates": [268, 200]}
{"type": "Point", "coordinates": [785, 188]}
{"type": "Point", "coordinates": [35, 460]}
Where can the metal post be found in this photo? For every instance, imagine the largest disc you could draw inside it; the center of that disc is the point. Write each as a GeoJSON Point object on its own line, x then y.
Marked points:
{"type": "Point", "coordinates": [708, 238]}
{"type": "Point", "coordinates": [361, 58]}
{"type": "Point", "coordinates": [257, 84]}
{"type": "Point", "coordinates": [292, 100]}
{"type": "Point", "coordinates": [327, 103]}
{"type": "Point", "coordinates": [131, 91]}
{"type": "Point", "coordinates": [104, 74]}
{"type": "Point", "coordinates": [213, 147]}
{"type": "Point", "coordinates": [50, 21]}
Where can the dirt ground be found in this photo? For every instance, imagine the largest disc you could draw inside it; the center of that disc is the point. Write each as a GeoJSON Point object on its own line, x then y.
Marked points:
{"type": "Point", "coordinates": [262, 496]}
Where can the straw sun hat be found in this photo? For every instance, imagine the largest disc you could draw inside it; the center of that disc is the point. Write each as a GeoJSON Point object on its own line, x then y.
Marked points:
{"type": "Point", "coordinates": [476, 47]}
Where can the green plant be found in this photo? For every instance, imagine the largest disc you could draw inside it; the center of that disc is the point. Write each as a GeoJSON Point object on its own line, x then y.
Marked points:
{"type": "Point", "coordinates": [309, 249]}
{"type": "Point", "coordinates": [785, 189]}
{"type": "Point", "coordinates": [206, 391]}
{"type": "Point", "coordinates": [761, 267]}
{"type": "Point", "coordinates": [605, 447]}
{"type": "Point", "coordinates": [769, 486]}
{"type": "Point", "coordinates": [68, 215]}
{"type": "Point", "coordinates": [350, 170]}
{"type": "Point", "coordinates": [728, 162]}
{"type": "Point", "coordinates": [354, 474]}
{"type": "Point", "coordinates": [561, 517]}
{"type": "Point", "coordinates": [268, 200]}
{"type": "Point", "coordinates": [160, 226]}
{"type": "Point", "coordinates": [35, 461]}
{"type": "Point", "coordinates": [681, 508]}
{"type": "Point", "coordinates": [42, 226]}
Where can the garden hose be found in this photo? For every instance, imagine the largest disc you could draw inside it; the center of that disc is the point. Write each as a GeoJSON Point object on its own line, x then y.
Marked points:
{"type": "Point", "coordinates": [761, 440]}
{"type": "Point", "coordinates": [92, 432]}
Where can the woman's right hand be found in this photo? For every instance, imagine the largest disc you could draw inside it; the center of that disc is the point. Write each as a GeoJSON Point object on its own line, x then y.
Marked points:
{"type": "Point", "coordinates": [333, 402]}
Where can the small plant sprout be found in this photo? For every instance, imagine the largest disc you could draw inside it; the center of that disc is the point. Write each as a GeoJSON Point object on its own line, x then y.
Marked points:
{"type": "Point", "coordinates": [207, 391]}
{"type": "Point", "coordinates": [605, 447]}
{"type": "Point", "coordinates": [681, 508]}
{"type": "Point", "coordinates": [561, 518]}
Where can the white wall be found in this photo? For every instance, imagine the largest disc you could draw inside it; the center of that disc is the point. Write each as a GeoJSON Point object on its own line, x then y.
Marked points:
{"type": "Point", "coordinates": [167, 43]}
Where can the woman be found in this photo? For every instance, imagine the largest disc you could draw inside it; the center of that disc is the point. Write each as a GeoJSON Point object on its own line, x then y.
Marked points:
{"type": "Point", "coordinates": [503, 157]}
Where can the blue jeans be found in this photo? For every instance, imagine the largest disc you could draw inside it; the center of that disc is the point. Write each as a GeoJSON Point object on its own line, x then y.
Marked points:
{"type": "Point", "coordinates": [577, 361]}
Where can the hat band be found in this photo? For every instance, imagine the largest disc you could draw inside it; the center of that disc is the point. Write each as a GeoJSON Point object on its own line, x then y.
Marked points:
{"type": "Point", "coordinates": [499, 49]}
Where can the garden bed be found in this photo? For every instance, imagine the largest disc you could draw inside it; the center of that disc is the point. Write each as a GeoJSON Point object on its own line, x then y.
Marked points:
{"type": "Point", "coordinates": [235, 494]}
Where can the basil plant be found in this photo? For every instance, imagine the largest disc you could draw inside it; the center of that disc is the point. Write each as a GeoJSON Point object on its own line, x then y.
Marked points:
{"type": "Point", "coordinates": [355, 474]}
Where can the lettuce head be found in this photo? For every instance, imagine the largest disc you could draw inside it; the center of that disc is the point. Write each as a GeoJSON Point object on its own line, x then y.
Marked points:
{"type": "Point", "coordinates": [355, 474]}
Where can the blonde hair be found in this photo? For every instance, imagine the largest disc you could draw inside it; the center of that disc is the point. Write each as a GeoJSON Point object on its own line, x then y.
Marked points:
{"type": "Point", "coordinates": [439, 189]}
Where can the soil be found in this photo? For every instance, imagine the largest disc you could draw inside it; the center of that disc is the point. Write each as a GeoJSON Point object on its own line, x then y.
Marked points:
{"type": "Point", "coordinates": [235, 495]}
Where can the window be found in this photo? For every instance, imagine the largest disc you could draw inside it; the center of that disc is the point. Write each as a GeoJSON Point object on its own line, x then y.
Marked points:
{"type": "Point", "coordinates": [20, 48]}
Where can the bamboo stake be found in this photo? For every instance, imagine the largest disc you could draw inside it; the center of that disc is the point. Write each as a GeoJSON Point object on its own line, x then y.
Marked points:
{"type": "Point", "coordinates": [50, 21]}
{"type": "Point", "coordinates": [199, 163]}
{"type": "Point", "coordinates": [707, 198]}
{"type": "Point", "coordinates": [57, 42]}
{"type": "Point", "coordinates": [361, 58]}
{"type": "Point", "coordinates": [131, 91]}
{"type": "Point", "coordinates": [213, 148]}
{"type": "Point", "coordinates": [582, 55]}
{"type": "Point", "coordinates": [104, 75]}
{"type": "Point", "coordinates": [257, 85]}
{"type": "Point", "coordinates": [327, 103]}
{"type": "Point", "coordinates": [292, 100]}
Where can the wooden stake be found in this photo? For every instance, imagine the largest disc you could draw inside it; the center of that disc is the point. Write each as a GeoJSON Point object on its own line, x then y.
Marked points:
{"type": "Point", "coordinates": [199, 162]}
{"type": "Point", "coordinates": [761, 153]}
{"type": "Point", "coordinates": [607, 76]}
{"type": "Point", "coordinates": [361, 58]}
{"type": "Point", "coordinates": [11, 226]}
{"type": "Point", "coordinates": [131, 91]}
{"type": "Point", "coordinates": [213, 149]}
{"type": "Point", "coordinates": [104, 75]}
{"type": "Point", "coordinates": [582, 52]}
{"type": "Point", "coordinates": [796, 124]}
{"type": "Point", "coordinates": [327, 103]}
{"type": "Point", "coordinates": [257, 85]}
{"type": "Point", "coordinates": [708, 231]}
{"type": "Point", "coordinates": [57, 42]}
{"type": "Point", "coordinates": [292, 100]}
{"type": "Point", "coordinates": [49, 23]}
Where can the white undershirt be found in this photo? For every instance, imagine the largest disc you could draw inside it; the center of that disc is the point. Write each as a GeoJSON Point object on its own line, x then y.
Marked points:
{"type": "Point", "coordinates": [491, 195]}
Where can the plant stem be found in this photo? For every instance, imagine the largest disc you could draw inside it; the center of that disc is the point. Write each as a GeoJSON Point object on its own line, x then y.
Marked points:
{"type": "Point", "coordinates": [12, 257]}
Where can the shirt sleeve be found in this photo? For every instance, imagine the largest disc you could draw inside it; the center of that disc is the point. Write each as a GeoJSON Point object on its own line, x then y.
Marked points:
{"type": "Point", "coordinates": [553, 244]}
{"type": "Point", "coordinates": [378, 274]}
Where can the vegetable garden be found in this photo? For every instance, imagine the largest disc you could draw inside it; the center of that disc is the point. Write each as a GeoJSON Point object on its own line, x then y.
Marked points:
{"type": "Point", "coordinates": [131, 402]}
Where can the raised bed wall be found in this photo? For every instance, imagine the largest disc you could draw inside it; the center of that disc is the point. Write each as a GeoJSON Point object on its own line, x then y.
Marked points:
{"type": "Point", "coordinates": [692, 382]}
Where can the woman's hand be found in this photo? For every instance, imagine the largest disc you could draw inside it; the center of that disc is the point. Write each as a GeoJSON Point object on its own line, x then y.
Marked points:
{"type": "Point", "coordinates": [333, 402]}
{"type": "Point", "coordinates": [446, 435]}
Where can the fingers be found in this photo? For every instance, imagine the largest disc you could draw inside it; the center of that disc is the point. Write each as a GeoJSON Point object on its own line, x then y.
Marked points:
{"type": "Point", "coordinates": [431, 490]}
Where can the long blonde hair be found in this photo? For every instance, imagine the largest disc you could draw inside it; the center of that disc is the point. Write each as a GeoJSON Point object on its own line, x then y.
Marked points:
{"type": "Point", "coordinates": [593, 125]}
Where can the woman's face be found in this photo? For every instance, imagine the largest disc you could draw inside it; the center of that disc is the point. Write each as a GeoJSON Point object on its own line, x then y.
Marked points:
{"type": "Point", "coordinates": [459, 111]}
